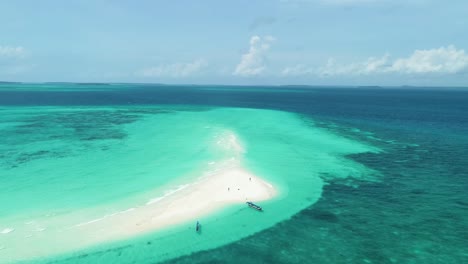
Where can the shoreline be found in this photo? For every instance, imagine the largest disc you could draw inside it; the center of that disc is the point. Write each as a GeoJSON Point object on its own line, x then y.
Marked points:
{"type": "Point", "coordinates": [187, 202]}
{"type": "Point", "coordinates": [206, 195]}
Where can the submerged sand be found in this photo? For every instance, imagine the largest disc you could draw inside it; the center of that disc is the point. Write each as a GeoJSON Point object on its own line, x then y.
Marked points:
{"type": "Point", "coordinates": [172, 170]}
{"type": "Point", "coordinates": [231, 185]}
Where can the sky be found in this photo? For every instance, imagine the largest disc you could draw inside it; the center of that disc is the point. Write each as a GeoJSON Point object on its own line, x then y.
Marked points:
{"type": "Point", "coordinates": [242, 42]}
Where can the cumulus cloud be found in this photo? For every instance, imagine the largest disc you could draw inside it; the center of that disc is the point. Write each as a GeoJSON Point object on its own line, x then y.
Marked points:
{"type": "Point", "coordinates": [443, 60]}
{"type": "Point", "coordinates": [253, 62]}
{"type": "Point", "coordinates": [12, 52]}
{"type": "Point", "coordinates": [175, 70]}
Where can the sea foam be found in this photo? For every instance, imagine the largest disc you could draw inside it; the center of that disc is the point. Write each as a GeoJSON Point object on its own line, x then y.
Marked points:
{"type": "Point", "coordinates": [166, 194]}
{"type": "Point", "coordinates": [7, 230]}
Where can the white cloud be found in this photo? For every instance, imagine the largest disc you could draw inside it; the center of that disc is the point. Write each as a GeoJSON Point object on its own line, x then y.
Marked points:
{"type": "Point", "coordinates": [253, 62]}
{"type": "Point", "coordinates": [175, 70]}
{"type": "Point", "coordinates": [443, 60]}
{"type": "Point", "coordinates": [12, 52]}
{"type": "Point", "coordinates": [369, 66]}
{"type": "Point", "coordinates": [297, 70]}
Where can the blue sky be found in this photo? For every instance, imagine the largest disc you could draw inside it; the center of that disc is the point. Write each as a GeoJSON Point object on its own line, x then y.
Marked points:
{"type": "Point", "coordinates": [316, 42]}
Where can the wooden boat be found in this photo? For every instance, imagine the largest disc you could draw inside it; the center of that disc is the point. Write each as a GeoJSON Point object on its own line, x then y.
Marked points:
{"type": "Point", "coordinates": [254, 206]}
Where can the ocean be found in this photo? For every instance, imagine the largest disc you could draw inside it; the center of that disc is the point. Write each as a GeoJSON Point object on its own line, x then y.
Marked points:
{"type": "Point", "coordinates": [365, 175]}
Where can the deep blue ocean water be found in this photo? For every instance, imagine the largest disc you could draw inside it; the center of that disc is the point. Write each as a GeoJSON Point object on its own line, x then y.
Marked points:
{"type": "Point", "coordinates": [416, 212]}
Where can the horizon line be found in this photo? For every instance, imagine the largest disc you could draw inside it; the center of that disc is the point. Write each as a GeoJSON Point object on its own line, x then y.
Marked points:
{"type": "Point", "coordinates": [236, 85]}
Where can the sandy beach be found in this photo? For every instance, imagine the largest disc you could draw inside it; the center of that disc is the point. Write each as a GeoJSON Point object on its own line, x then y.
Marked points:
{"type": "Point", "coordinates": [209, 193]}
{"type": "Point", "coordinates": [233, 186]}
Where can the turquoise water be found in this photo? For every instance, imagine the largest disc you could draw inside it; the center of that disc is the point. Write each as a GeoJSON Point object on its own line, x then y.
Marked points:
{"type": "Point", "coordinates": [71, 165]}
{"type": "Point", "coordinates": [364, 176]}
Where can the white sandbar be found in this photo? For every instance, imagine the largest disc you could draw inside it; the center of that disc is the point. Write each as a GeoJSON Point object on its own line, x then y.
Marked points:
{"type": "Point", "coordinates": [208, 194]}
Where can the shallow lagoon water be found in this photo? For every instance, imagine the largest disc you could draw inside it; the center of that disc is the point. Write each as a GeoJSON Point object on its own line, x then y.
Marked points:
{"type": "Point", "coordinates": [120, 158]}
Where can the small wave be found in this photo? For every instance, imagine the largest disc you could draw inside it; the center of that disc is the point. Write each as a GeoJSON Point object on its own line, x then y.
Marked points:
{"type": "Point", "coordinates": [113, 214]}
{"type": "Point", "coordinates": [97, 219]}
{"type": "Point", "coordinates": [166, 194]}
{"type": "Point", "coordinates": [7, 230]}
{"type": "Point", "coordinates": [155, 200]}
{"type": "Point", "coordinates": [90, 222]}
{"type": "Point", "coordinates": [126, 211]}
